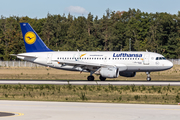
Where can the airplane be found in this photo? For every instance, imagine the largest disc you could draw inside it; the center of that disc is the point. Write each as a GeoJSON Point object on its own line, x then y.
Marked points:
{"type": "Point", "coordinates": [107, 64]}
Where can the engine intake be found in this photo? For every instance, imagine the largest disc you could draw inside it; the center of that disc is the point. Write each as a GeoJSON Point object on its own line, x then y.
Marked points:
{"type": "Point", "coordinates": [109, 72]}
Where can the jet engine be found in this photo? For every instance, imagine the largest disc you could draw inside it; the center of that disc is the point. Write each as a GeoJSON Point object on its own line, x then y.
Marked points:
{"type": "Point", "coordinates": [111, 72]}
{"type": "Point", "coordinates": [127, 74]}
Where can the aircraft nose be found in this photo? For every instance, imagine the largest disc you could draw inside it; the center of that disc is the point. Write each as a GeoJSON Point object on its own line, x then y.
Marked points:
{"type": "Point", "coordinates": [170, 64]}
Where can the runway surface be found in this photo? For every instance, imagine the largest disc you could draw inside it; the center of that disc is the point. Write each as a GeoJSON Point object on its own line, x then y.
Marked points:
{"type": "Point", "coordinates": [33, 110]}
{"type": "Point", "coordinates": [73, 82]}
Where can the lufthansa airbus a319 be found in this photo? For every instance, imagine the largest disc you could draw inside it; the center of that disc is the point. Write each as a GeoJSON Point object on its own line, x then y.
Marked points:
{"type": "Point", "coordinates": [107, 64]}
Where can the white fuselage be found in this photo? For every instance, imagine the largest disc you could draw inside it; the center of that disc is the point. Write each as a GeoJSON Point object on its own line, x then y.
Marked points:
{"type": "Point", "coordinates": [123, 60]}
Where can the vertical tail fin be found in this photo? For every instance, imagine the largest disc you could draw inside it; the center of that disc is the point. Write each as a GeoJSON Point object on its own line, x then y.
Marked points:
{"type": "Point", "coordinates": [32, 41]}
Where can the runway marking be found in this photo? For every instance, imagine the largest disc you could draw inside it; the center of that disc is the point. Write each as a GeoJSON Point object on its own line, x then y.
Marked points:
{"type": "Point", "coordinates": [16, 114]}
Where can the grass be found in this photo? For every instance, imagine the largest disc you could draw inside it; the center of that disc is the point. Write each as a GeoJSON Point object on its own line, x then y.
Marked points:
{"type": "Point", "coordinates": [92, 93]}
{"type": "Point", "coordinates": [44, 73]}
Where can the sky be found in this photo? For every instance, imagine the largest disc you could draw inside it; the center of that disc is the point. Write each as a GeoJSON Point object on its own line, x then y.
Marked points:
{"type": "Point", "coordinates": [40, 8]}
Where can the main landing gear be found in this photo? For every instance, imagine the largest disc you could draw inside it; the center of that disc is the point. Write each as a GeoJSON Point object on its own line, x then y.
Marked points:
{"type": "Point", "coordinates": [148, 76]}
{"type": "Point", "coordinates": [90, 78]}
{"type": "Point", "coordinates": [102, 78]}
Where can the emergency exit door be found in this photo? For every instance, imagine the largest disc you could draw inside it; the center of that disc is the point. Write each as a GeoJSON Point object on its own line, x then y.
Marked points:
{"type": "Point", "coordinates": [49, 58]}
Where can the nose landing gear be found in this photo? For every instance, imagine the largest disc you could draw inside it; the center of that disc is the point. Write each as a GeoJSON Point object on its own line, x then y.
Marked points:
{"type": "Point", "coordinates": [148, 76]}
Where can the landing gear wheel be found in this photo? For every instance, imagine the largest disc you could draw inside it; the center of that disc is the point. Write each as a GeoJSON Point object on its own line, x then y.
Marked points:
{"type": "Point", "coordinates": [90, 78]}
{"type": "Point", "coordinates": [148, 78]}
{"type": "Point", "coordinates": [102, 78]}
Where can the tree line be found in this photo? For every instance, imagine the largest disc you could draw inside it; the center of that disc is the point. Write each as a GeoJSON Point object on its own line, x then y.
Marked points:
{"type": "Point", "coordinates": [155, 32]}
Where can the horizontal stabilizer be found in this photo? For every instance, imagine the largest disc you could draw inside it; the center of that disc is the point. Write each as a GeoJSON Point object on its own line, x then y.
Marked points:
{"type": "Point", "coordinates": [23, 56]}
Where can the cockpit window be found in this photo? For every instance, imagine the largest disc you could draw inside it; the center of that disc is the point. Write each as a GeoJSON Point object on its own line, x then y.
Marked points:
{"type": "Point", "coordinates": [160, 58]}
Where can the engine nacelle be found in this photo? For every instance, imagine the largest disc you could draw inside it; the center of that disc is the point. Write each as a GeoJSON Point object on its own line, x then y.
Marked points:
{"type": "Point", "coordinates": [127, 74]}
{"type": "Point", "coordinates": [109, 72]}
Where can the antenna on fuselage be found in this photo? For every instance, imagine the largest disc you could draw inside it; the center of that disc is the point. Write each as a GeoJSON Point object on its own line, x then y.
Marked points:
{"type": "Point", "coordinates": [78, 53]}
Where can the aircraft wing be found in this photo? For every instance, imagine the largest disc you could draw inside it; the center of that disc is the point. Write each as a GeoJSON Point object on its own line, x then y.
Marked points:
{"type": "Point", "coordinates": [80, 63]}
{"type": "Point", "coordinates": [87, 65]}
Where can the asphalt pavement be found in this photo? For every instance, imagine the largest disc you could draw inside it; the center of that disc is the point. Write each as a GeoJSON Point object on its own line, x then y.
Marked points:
{"type": "Point", "coordinates": [34, 110]}
{"type": "Point", "coordinates": [83, 82]}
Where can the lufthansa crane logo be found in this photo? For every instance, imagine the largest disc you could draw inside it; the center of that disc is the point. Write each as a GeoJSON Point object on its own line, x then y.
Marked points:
{"type": "Point", "coordinates": [82, 55]}
{"type": "Point", "coordinates": [30, 37]}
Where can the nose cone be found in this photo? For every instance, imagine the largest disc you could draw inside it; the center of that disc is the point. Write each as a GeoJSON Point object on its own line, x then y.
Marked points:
{"type": "Point", "coordinates": [169, 64]}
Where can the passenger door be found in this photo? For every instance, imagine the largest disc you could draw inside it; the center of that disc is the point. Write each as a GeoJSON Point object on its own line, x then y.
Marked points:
{"type": "Point", "coordinates": [49, 58]}
{"type": "Point", "coordinates": [146, 59]}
